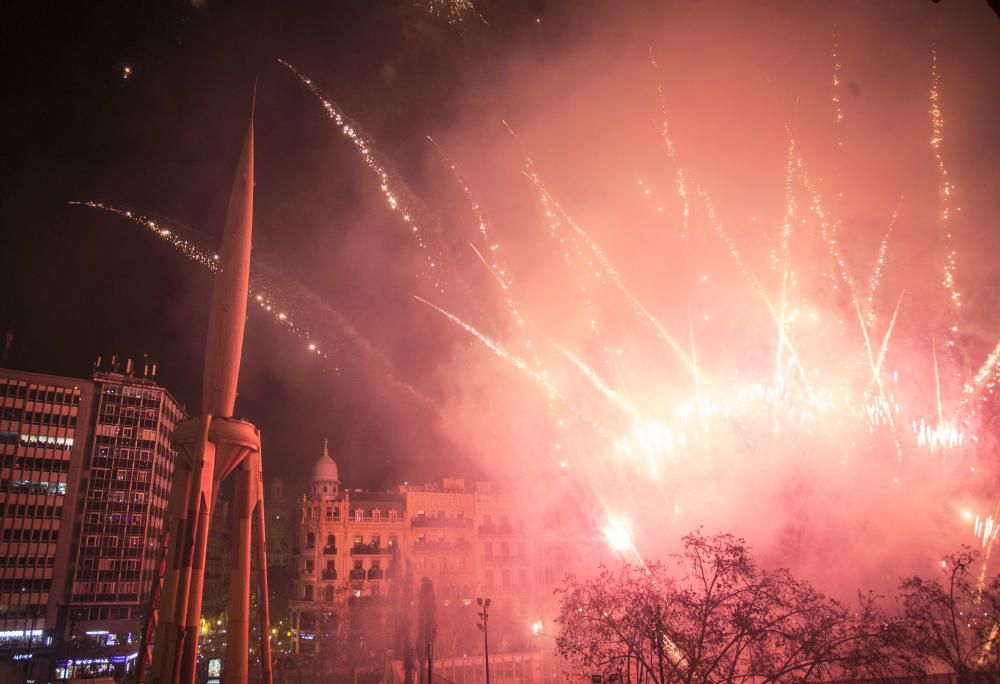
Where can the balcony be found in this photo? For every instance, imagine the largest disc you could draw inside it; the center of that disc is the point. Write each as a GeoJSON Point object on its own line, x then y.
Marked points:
{"type": "Point", "coordinates": [440, 521]}
{"type": "Point", "coordinates": [370, 550]}
{"type": "Point", "coordinates": [495, 530]}
{"type": "Point", "coordinates": [329, 574]}
{"type": "Point", "coordinates": [329, 550]}
{"type": "Point", "coordinates": [357, 575]}
{"type": "Point", "coordinates": [376, 574]}
{"type": "Point", "coordinates": [440, 546]}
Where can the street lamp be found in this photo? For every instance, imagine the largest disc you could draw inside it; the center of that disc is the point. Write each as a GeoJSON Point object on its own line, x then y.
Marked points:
{"type": "Point", "coordinates": [484, 628]}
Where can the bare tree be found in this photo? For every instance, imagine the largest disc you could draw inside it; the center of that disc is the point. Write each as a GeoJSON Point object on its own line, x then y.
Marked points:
{"type": "Point", "coordinates": [955, 623]}
{"type": "Point", "coordinates": [716, 616]}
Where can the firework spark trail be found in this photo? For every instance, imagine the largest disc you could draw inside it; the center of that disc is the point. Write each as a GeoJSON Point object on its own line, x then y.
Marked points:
{"type": "Point", "coordinates": [937, 384]}
{"type": "Point", "coordinates": [838, 112]}
{"type": "Point", "coordinates": [987, 530]}
{"type": "Point", "coordinates": [828, 231]}
{"type": "Point", "coordinates": [494, 346]}
{"type": "Point", "coordinates": [697, 376]}
{"type": "Point", "coordinates": [884, 347]}
{"type": "Point", "coordinates": [259, 293]}
{"type": "Point", "coordinates": [189, 249]}
{"type": "Point", "coordinates": [727, 240]}
{"type": "Point", "coordinates": [618, 532]}
{"type": "Point", "coordinates": [263, 294]}
{"type": "Point", "coordinates": [877, 379]}
{"type": "Point", "coordinates": [597, 381]}
{"type": "Point", "coordinates": [610, 270]}
{"type": "Point", "coordinates": [680, 174]}
{"type": "Point", "coordinates": [985, 371]}
{"type": "Point", "coordinates": [394, 189]}
{"type": "Point", "coordinates": [876, 277]}
{"type": "Point", "coordinates": [946, 188]}
{"type": "Point", "coordinates": [786, 235]}
{"type": "Point", "coordinates": [496, 276]}
{"type": "Point", "coordinates": [453, 11]}
{"type": "Point", "coordinates": [495, 264]}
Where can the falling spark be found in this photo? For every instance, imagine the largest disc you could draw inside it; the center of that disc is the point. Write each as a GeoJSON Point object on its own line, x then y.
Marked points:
{"type": "Point", "coordinates": [619, 534]}
{"type": "Point", "coordinates": [680, 175]}
{"type": "Point", "coordinates": [452, 11]}
{"type": "Point", "coordinates": [838, 112]}
{"type": "Point", "coordinates": [494, 346]}
{"type": "Point", "coordinates": [876, 277]}
{"type": "Point", "coordinates": [945, 192]}
{"type": "Point", "coordinates": [397, 194]}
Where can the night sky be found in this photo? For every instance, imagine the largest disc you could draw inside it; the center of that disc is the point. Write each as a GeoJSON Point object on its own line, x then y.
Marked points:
{"type": "Point", "coordinates": [79, 283]}
{"type": "Point", "coordinates": [76, 283]}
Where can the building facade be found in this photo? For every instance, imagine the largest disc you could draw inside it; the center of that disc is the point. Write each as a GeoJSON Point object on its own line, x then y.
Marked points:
{"type": "Point", "coordinates": [127, 481]}
{"type": "Point", "coordinates": [364, 556]}
{"type": "Point", "coordinates": [45, 432]}
{"type": "Point", "coordinates": [280, 510]}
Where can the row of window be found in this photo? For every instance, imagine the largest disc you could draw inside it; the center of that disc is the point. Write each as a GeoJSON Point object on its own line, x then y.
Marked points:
{"type": "Point", "coordinates": [36, 535]}
{"type": "Point", "coordinates": [111, 541]}
{"type": "Point", "coordinates": [505, 578]}
{"type": "Point", "coordinates": [57, 395]}
{"type": "Point", "coordinates": [56, 465]}
{"type": "Point", "coordinates": [33, 487]}
{"type": "Point", "coordinates": [27, 561]}
{"type": "Point", "coordinates": [45, 441]}
{"type": "Point", "coordinates": [359, 515]}
{"type": "Point", "coordinates": [116, 496]}
{"type": "Point", "coordinates": [110, 564]}
{"type": "Point", "coordinates": [23, 610]}
{"type": "Point", "coordinates": [32, 511]}
{"type": "Point", "coordinates": [19, 584]}
{"type": "Point", "coordinates": [49, 419]}
{"type": "Point", "coordinates": [504, 551]}
{"type": "Point", "coordinates": [104, 613]}
{"type": "Point", "coordinates": [106, 588]}
{"type": "Point", "coordinates": [115, 518]}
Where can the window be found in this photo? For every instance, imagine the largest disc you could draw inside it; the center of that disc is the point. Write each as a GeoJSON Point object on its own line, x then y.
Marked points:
{"type": "Point", "coordinates": [310, 540]}
{"type": "Point", "coordinates": [307, 592]}
{"type": "Point", "coordinates": [328, 593]}
{"type": "Point", "coordinates": [393, 514]}
{"type": "Point", "coordinates": [359, 515]}
{"type": "Point", "coordinates": [376, 515]}
{"type": "Point", "coordinates": [358, 540]}
{"type": "Point", "coordinates": [331, 541]}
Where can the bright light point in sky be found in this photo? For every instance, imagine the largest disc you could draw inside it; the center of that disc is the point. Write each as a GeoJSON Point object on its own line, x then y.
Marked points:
{"type": "Point", "coordinates": [126, 72]}
{"type": "Point", "coordinates": [618, 532]}
{"type": "Point", "coordinates": [536, 628]}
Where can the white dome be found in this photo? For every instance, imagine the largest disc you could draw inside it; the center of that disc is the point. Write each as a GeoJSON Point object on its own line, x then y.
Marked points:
{"type": "Point", "coordinates": [325, 469]}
